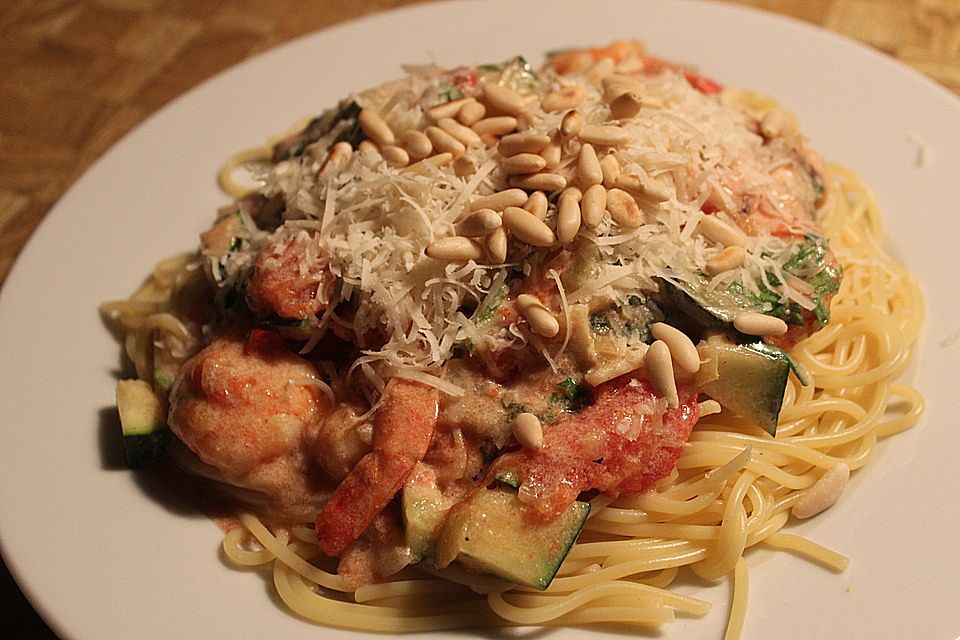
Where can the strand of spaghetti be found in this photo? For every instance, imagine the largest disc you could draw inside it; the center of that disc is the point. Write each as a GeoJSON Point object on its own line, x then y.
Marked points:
{"type": "Point", "coordinates": [733, 533]}
{"type": "Point", "coordinates": [607, 547]}
{"type": "Point", "coordinates": [225, 177]}
{"type": "Point", "coordinates": [738, 606]}
{"type": "Point", "coordinates": [640, 616]}
{"type": "Point", "coordinates": [622, 569]}
{"type": "Point", "coordinates": [910, 417]}
{"type": "Point", "coordinates": [808, 548]}
{"type": "Point", "coordinates": [287, 557]}
{"type": "Point", "coordinates": [233, 548]}
{"type": "Point", "coordinates": [771, 526]}
{"type": "Point", "coordinates": [711, 483]}
{"type": "Point", "coordinates": [380, 590]}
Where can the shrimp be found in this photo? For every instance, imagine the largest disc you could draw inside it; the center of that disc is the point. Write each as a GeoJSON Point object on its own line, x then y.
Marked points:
{"type": "Point", "coordinates": [623, 443]}
{"type": "Point", "coordinates": [402, 431]}
{"type": "Point", "coordinates": [244, 407]}
{"type": "Point", "coordinates": [286, 283]}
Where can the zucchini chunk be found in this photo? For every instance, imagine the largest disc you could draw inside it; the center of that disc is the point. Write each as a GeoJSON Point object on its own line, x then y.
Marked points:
{"type": "Point", "coordinates": [748, 379]}
{"type": "Point", "coordinates": [486, 533]}
{"type": "Point", "coordinates": [423, 507]}
{"type": "Point", "coordinates": [143, 422]}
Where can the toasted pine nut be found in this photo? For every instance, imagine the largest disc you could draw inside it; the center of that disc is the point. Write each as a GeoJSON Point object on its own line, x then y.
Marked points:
{"type": "Point", "coordinates": [571, 124]}
{"type": "Point", "coordinates": [527, 120]}
{"type": "Point", "coordinates": [489, 140]}
{"type": "Point", "coordinates": [444, 142]}
{"type": "Point", "coordinates": [624, 209]}
{"type": "Point", "coordinates": [682, 349]}
{"type": "Point", "coordinates": [528, 431]}
{"type": "Point", "coordinates": [730, 258]}
{"type": "Point", "coordinates": [715, 229]}
{"type": "Point", "coordinates": [466, 135]}
{"type": "Point", "coordinates": [504, 99]}
{"type": "Point", "coordinates": [565, 98]}
{"type": "Point", "coordinates": [775, 123]}
{"type": "Point", "coordinates": [610, 369]}
{"type": "Point", "coordinates": [606, 135]}
{"type": "Point", "coordinates": [479, 223]}
{"type": "Point", "coordinates": [573, 192]}
{"type": "Point", "coordinates": [824, 493]}
{"type": "Point", "coordinates": [471, 112]}
{"type": "Point", "coordinates": [514, 143]}
{"type": "Point", "coordinates": [395, 156]}
{"type": "Point", "coordinates": [709, 408]}
{"type": "Point", "coordinates": [522, 163]}
{"type": "Point", "coordinates": [447, 109]}
{"type": "Point", "coordinates": [660, 371]}
{"type": "Point", "coordinates": [500, 200]}
{"type": "Point", "coordinates": [593, 205]}
{"type": "Point", "coordinates": [539, 182]}
{"type": "Point", "coordinates": [626, 105]}
{"type": "Point", "coordinates": [368, 147]}
{"type": "Point", "coordinates": [537, 204]}
{"type": "Point", "coordinates": [455, 249]}
{"type": "Point", "coordinates": [375, 127]}
{"type": "Point", "coordinates": [338, 156]}
{"type": "Point", "coordinates": [465, 165]}
{"type": "Point", "coordinates": [433, 162]}
{"type": "Point", "coordinates": [552, 152]}
{"type": "Point", "coordinates": [537, 315]}
{"type": "Point", "coordinates": [643, 186]}
{"type": "Point", "coordinates": [416, 143]}
{"type": "Point", "coordinates": [611, 169]}
{"type": "Point", "coordinates": [568, 217]}
{"type": "Point", "coordinates": [616, 84]}
{"type": "Point", "coordinates": [498, 126]}
{"type": "Point", "coordinates": [496, 244]}
{"type": "Point", "coordinates": [525, 226]}
{"type": "Point", "coordinates": [759, 324]}
{"type": "Point", "coordinates": [589, 172]}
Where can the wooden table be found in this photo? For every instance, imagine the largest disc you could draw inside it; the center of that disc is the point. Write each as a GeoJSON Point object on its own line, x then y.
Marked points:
{"type": "Point", "coordinates": [77, 75]}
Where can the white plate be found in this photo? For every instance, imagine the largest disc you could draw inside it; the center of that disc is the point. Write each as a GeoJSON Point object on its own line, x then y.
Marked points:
{"type": "Point", "coordinates": [101, 556]}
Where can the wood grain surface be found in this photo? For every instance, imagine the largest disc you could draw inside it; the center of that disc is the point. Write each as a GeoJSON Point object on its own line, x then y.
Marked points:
{"type": "Point", "coordinates": [77, 75]}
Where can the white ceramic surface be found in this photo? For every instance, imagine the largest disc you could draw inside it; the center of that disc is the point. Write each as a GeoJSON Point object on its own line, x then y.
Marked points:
{"type": "Point", "coordinates": [102, 555]}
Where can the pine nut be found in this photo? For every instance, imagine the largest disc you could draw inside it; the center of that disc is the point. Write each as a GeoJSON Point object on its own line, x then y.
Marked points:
{"type": "Point", "coordinates": [525, 226]}
{"type": "Point", "coordinates": [335, 160]}
{"type": "Point", "coordinates": [660, 371]}
{"type": "Point", "coordinates": [465, 135]}
{"type": "Point", "coordinates": [682, 349]}
{"type": "Point", "coordinates": [709, 408]}
{"type": "Point", "coordinates": [500, 200]}
{"type": "Point", "coordinates": [514, 143]}
{"type": "Point", "coordinates": [522, 163]}
{"type": "Point", "coordinates": [715, 229]}
{"type": "Point", "coordinates": [610, 369]}
{"type": "Point", "coordinates": [600, 69]}
{"type": "Point", "coordinates": [537, 315]}
{"type": "Point", "coordinates": [611, 169]}
{"type": "Point", "coordinates": [571, 124]}
{"type": "Point", "coordinates": [730, 258]}
{"type": "Point", "coordinates": [395, 156]}
{"type": "Point", "coordinates": [471, 113]}
{"type": "Point", "coordinates": [454, 249]}
{"type": "Point", "coordinates": [565, 98]}
{"type": "Point", "coordinates": [759, 324]}
{"type": "Point", "coordinates": [528, 431]}
{"type": "Point", "coordinates": [552, 152]}
{"type": "Point", "coordinates": [375, 127]}
{"type": "Point", "coordinates": [626, 105]}
{"type": "Point", "coordinates": [368, 147]}
{"type": "Point", "coordinates": [643, 186]}
{"type": "Point", "coordinates": [624, 209]}
{"type": "Point", "coordinates": [568, 217]}
{"type": "Point", "coordinates": [447, 109]}
{"type": "Point", "coordinates": [589, 172]}
{"type": "Point", "coordinates": [479, 223]}
{"type": "Point", "coordinates": [572, 192]}
{"type": "Point", "coordinates": [465, 165]}
{"type": "Point", "coordinates": [444, 142]}
{"type": "Point", "coordinates": [527, 120]}
{"type": "Point", "coordinates": [416, 143]}
{"type": "Point", "coordinates": [489, 140]}
{"type": "Point", "coordinates": [504, 99]}
{"type": "Point", "coordinates": [775, 123]}
{"type": "Point", "coordinates": [617, 84]}
{"type": "Point", "coordinates": [498, 126]}
{"type": "Point", "coordinates": [537, 204]}
{"type": "Point", "coordinates": [593, 205]}
{"type": "Point", "coordinates": [539, 182]}
{"type": "Point", "coordinates": [824, 493]}
{"type": "Point", "coordinates": [604, 135]}
{"type": "Point", "coordinates": [433, 162]}
{"type": "Point", "coordinates": [496, 244]}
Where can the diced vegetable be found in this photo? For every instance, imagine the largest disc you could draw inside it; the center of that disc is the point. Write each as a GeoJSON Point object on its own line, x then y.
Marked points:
{"type": "Point", "coordinates": [486, 532]}
{"type": "Point", "coordinates": [143, 422]}
{"type": "Point", "coordinates": [423, 507]}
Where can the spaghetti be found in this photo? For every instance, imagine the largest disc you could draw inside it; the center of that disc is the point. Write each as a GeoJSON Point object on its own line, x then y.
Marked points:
{"type": "Point", "coordinates": [733, 485]}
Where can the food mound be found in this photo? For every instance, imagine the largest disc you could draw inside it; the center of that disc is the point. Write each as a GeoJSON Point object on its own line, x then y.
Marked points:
{"type": "Point", "coordinates": [468, 306]}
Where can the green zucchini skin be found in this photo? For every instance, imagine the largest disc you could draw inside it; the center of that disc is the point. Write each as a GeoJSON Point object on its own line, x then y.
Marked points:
{"type": "Point", "coordinates": [143, 422]}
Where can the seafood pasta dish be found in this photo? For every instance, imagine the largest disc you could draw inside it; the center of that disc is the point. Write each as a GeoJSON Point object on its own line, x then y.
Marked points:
{"type": "Point", "coordinates": [495, 346]}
